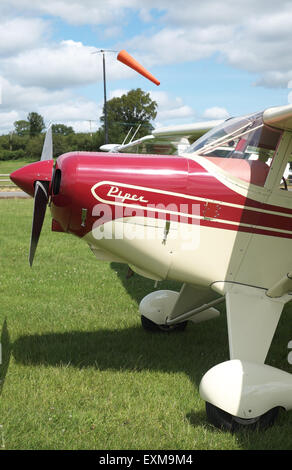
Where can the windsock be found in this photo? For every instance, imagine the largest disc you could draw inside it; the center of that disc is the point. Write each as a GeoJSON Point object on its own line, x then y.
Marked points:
{"type": "Point", "coordinates": [128, 60]}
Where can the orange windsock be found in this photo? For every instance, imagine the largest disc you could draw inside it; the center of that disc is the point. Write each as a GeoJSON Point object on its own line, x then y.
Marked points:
{"type": "Point", "coordinates": [128, 60]}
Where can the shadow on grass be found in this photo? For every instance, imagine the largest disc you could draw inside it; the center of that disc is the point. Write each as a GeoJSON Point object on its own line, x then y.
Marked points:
{"type": "Point", "coordinates": [6, 349]}
{"type": "Point", "coordinates": [193, 352]}
{"type": "Point", "coordinates": [137, 286]}
{"type": "Point", "coordinates": [130, 349]}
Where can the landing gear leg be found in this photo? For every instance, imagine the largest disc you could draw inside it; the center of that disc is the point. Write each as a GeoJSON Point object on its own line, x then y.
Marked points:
{"type": "Point", "coordinates": [149, 325]}
{"type": "Point", "coordinates": [244, 392]}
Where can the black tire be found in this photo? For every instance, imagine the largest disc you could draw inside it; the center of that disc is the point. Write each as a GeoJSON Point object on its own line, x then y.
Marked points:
{"type": "Point", "coordinates": [149, 325]}
{"type": "Point", "coordinates": [227, 422]}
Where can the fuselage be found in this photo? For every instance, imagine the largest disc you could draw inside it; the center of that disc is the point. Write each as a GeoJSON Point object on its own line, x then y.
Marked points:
{"type": "Point", "coordinates": [173, 217]}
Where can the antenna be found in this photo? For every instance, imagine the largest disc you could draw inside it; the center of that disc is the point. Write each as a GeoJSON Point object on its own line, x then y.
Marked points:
{"type": "Point", "coordinates": [127, 135]}
{"type": "Point", "coordinates": [135, 133]}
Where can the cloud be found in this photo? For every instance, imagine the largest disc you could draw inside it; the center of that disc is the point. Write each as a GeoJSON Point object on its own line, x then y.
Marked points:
{"type": "Point", "coordinates": [65, 64]}
{"type": "Point", "coordinates": [251, 36]}
{"type": "Point", "coordinates": [83, 125]}
{"type": "Point", "coordinates": [6, 121]}
{"type": "Point", "coordinates": [170, 108]}
{"type": "Point", "coordinates": [216, 113]}
{"type": "Point", "coordinates": [174, 46]}
{"type": "Point", "coordinates": [75, 109]}
{"type": "Point", "coordinates": [61, 106]}
{"type": "Point", "coordinates": [76, 12]}
{"type": "Point", "coordinates": [117, 93]}
{"type": "Point", "coordinates": [15, 96]}
{"type": "Point", "coordinates": [44, 75]}
{"type": "Point", "coordinates": [20, 34]}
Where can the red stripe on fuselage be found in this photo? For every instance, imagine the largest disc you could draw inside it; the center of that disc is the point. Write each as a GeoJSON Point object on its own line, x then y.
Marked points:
{"type": "Point", "coordinates": [191, 183]}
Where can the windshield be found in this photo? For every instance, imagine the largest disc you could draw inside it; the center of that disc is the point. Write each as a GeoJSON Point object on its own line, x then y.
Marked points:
{"type": "Point", "coordinates": [246, 138]}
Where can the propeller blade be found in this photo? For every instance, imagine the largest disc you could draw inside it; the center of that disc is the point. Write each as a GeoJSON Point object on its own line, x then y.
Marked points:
{"type": "Point", "coordinates": [47, 152]}
{"type": "Point", "coordinates": [41, 197]}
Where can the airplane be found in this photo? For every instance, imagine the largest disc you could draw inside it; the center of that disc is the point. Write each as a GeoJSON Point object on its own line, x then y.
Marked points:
{"type": "Point", "coordinates": [217, 218]}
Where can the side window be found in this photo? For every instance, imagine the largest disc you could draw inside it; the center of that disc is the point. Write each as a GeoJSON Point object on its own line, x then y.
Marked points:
{"type": "Point", "coordinates": [286, 181]}
{"type": "Point", "coordinates": [249, 155]}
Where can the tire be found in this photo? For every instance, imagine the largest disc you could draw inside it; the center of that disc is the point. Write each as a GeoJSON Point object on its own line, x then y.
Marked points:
{"type": "Point", "coordinates": [225, 421]}
{"type": "Point", "coordinates": [149, 325]}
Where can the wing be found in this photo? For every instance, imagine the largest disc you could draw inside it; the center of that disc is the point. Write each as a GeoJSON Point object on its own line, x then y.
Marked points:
{"type": "Point", "coordinates": [279, 116]}
{"type": "Point", "coordinates": [166, 140]}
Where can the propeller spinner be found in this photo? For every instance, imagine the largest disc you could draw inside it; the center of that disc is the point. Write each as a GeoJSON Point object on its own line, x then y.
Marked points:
{"type": "Point", "coordinates": [35, 180]}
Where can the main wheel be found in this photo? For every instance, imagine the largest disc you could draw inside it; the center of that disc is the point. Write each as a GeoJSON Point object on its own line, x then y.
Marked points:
{"type": "Point", "coordinates": [223, 420]}
{"type": "Point", "coordinates": [149, 325]}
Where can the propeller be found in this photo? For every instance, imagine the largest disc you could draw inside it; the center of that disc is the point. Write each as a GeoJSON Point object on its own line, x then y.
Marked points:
{"type": "Point", "coordinates": [41, 198]}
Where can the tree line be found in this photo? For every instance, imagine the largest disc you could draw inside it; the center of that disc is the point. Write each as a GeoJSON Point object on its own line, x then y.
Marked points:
{"type": "Point", "coordinates": [132, 110]}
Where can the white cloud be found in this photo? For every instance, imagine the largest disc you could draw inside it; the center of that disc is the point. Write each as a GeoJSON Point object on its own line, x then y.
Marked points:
{"type": "Point", "coordinates": [170, 108]}
{"type": "Point", "coordinates": [117, 93]}
{"type": "Point", "coordinates": [77, 12]}
{"type": "Point", "coordinates": [19, 34]}
{"type": "Point", "coordinates": [55, 106]}
{"type": "Point", "coordinates": [216, 113]}
{"type": "Point", "coordinates": [252, 36]}
{"type": "Point", "coordinates": [170, 46]}
{"type": "Point", "coordinates": [72, 110]}
{"type": "Point", "coordinates": [66, 64]}
{"type": "Point", "coordinates": [84, 126]}
{"type": "Point", "coordinates": [7, 120]}
{"type": "Point", "coordinates": [40, 74]}
{"type": "Point", "coordinates": [15, 96]}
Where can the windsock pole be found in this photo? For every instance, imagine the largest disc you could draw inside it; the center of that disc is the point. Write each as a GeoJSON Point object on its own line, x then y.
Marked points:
{"type": "Point", "coordinates": [105, 105]}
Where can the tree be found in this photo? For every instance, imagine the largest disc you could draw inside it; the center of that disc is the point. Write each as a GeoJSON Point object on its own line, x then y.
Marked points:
{"type": "Point", "coordinates": [34, 146]}
{"type": "Point", "coordinates": [36, 124]}
{"type": "Point", "coordinates": [134, 108]}
{"type": "Point", "coordinates": [21, 127]}
{"type": "Point", "coordinates": [61, 129]}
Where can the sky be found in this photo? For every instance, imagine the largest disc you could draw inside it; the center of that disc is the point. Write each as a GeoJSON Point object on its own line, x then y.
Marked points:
{"type": "Point", "coordinates": [214, 59]}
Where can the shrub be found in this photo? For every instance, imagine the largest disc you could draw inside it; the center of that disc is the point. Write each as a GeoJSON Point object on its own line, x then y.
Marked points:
{"type": "Point", "coordinates": [12, 154]}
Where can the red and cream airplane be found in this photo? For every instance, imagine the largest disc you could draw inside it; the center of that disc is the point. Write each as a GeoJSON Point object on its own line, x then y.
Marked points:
{"type": "Point", "coordinates": [217, 218]}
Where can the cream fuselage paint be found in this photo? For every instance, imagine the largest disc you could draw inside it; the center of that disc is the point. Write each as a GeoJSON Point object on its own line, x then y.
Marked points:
{"type": "Point", "coordinates": [193, 257]}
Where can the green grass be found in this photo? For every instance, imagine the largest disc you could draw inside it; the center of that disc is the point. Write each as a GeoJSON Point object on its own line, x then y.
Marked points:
{"type": "Point", "coordinates": [78, 370]}
{"type": "Point", "coordinates": [7, 167]}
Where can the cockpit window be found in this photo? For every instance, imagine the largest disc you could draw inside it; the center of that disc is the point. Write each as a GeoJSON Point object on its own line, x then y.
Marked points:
{"type": "Point", "coordinates": [247, 139]}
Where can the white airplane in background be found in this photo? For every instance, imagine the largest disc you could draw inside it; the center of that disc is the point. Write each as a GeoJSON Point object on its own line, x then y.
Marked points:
{"type": "Point", "coordinates": [176, 137]}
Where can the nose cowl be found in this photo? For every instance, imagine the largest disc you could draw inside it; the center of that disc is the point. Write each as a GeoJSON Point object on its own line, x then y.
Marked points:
{"type": "Point", "coordinates": [26, 176]}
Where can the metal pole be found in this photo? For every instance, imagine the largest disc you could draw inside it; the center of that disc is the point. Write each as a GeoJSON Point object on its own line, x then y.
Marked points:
{"type": "Point", "coordinates": [104, 92]}
{"type": "Point", "coordinates": [103, 51]}
{"type": "Point", "coordinates": [187, 315]}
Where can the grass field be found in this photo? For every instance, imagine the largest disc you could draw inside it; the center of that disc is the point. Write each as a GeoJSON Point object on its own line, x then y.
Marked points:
{"type": "Point", "coordinates": [11, 165]}
{"type": "Point", "coordinates": [78, 370]}
{"type": "Point", "coordinates": [7, 167]}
